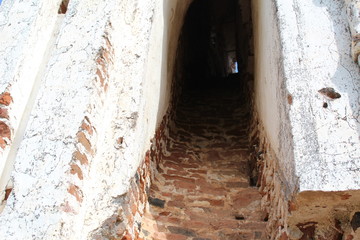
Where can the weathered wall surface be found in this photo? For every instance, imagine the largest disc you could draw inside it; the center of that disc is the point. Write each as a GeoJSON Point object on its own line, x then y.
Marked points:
{"type": "Point", "coordinates": [316, 49]}
{"type": "Point", "coordinates": [270, 96]}
{"type": "Point", "coordinates": [81, 95]}
{"type": "Point", "coordinates": [26, 31]}
{"type": "Point", "coordinates": [316, 55]}
{"type": "Point", "coordinates": [103, 91]}
{"type": "Point", "coordinates": [312, 139]}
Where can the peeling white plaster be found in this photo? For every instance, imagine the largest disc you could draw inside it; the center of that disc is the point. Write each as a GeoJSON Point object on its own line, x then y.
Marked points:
{"type": "Point", "coordinates": [315, 53]}
{"type": "Point", "coordinates": [25, 31]}
{"type": "Point", "coordinates": [301, 47]}
{"type": "Point", "coordinates": [326, 140]}
{"type": "Point", "coordinates": [133, 106]}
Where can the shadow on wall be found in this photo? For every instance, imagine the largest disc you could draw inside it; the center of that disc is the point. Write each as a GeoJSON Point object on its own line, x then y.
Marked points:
{"type": "Point", "coordinates": [346, 78]}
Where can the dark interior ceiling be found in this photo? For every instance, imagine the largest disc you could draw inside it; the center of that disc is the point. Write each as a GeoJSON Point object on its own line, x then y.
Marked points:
{"type": "Point", "coordinates": [209, 40]}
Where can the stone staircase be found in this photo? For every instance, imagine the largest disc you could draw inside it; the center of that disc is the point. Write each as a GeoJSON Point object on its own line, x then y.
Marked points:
{"type": "Point", "coordinates": [201, 189]}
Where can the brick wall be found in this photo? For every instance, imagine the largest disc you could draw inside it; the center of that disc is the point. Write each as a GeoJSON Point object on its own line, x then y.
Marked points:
{"type": "Point", "coordinates": [5, 125]}
{"type": "Point", "coordinates": [265, 174]}
{"type": "Point", "coordinates": [87, 136]}
{"type": "Point", "coordinates": [298, 215]}
{"type": "Point", "coordinates": [126, 223]}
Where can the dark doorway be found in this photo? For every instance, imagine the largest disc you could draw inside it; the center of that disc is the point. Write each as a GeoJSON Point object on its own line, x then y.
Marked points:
{"type": "Point", "coordinates": [202, 181]}
{"type": "Point", "coordinates": [215, 43]}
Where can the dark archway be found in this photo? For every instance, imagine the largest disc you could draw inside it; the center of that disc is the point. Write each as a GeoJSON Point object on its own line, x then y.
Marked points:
{"type": "Point", "coordinates": [215, 43]}
{"type": "Point", "coordinates": [202, 187]}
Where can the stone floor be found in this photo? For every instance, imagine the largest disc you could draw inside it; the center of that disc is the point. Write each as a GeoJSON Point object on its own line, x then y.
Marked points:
{"type": "Point", "coordinates": [202, 191]}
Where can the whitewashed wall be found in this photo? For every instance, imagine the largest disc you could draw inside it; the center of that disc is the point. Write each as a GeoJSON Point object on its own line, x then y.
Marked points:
{"type": "Point", "coordinates": [300, 50]}
{"type": "Point", "coordinates": [60, 106]}
{"type": "Point", "coordinates": [317, 54]}
{"type": "Point", "coordinates": [270, 92]}
{"type": "Point", "coordinates": [106, 123]}
{"type": "Point", "coordinates": [26, 29]}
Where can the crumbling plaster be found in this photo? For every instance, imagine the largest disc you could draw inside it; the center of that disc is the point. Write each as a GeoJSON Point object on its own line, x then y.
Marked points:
{"type": "Point", "coordinates": [301, 47]}
{"type": "Point", "coordinates": [270, 91]}
{"type": "Point", "coordinates": [316, 55]}
{"type": "Point", "coordinates": [25, 30]}
{"type": "Point", "coordinates": [122, 115]}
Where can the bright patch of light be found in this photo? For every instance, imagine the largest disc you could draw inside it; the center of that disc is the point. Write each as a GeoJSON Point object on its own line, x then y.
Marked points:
{"type": "Point", "coordinates": [235, 70]}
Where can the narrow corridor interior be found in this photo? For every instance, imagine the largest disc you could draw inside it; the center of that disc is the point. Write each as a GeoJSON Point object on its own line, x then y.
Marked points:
{"type": "Point", "coordinates": [201, 190]}
{"type": "Point", "coordinates": [201, 187]}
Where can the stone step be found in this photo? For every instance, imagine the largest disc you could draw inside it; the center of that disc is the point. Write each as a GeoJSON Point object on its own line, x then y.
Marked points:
{"type": "Point", "coordinates": [201, 190]}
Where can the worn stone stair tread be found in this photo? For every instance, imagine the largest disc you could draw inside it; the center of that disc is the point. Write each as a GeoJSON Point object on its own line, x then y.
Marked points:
{"type": "Point", "coordinates": [201, 190]}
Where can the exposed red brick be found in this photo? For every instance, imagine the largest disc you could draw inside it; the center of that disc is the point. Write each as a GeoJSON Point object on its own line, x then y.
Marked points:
{"type": "Point", "coordinates": [199, 187]}
{"type": "Point", "coordinates": [130, 219]}
{"type": "Point", "coordinates": [239, 236]}
{"type": "Point", "coordinates": [345, 196]}
{"type": "Point", "coordinates": [81, 157]}
{"type": "Point", "coordinates": [196, 216]}
{"type": "Point", "coordinates": [290, 99]}
{"type": "Point", "coordinates": [237, 184]}
{"type": "Point", "coordinates": [284, 236]}
{"type": "Point", "coordinates": [176, 172]}
{"type": "Point", "coordinates": [134, 191]}
{"type": "Point", "coordinates": [76, 192]}
{"type": "Point", "coordinates": [252, 225]}
{"type": "Point", "coordinates": [164, 213]}
{"type": "Point", "coordinates": [223, 223]}
{"type": "Point", "coordinates": [134, 208]}
{"type": "Point", "coordinates": [5, 99]}
{"type": "Point", "coordinates": [292, 206]}
{"type": "Point", "coordinates": [212, 191]}
{"type": "Point", "coordinates": [127, 237]}
{"type": "Point", "coordinates": [197, 171]}
{"type": "Point", "coordinates": [87, 127]}
{"type": "Point", "coordinates": [197, 176]}
{"type": "Point", "coordinates": [84, 141]}
{"type": "Point", "coordinates": [349, 237]}
{"type": "Point", "coordinates": [246, 197]}
{"type": "Point", "coordinates": [166, 194]}
{"type": "Point", "coordinates": [100, 61]}
{"type": "Point", "coordinates": [75, 169]}
{"type": "Point", "coordinates": [178, 204]}
{"type": "Point", "coordinates": [63, 7]}
{"type": "Point", "coordinates": [197, 224]}
{"type": "Point", "coordinates": [2, 143]}
{"type": "Point", "coordinates": [101, 77]}
{"type": "Point", "coordinates": [107, 56]}
{"type": "Point", "coordinates": [175, 177]}
{"type": "Point", "coordinates": [172, 165]}
{"type": "Point", "coordinates": [5, 131]}
{"type": "Point", "coordinates": [175, 236]}
{"type": "Point", "coordinates": [216, 203]}
{"type": "Point", "coordinates": [308, 229]}
{"type": "Point", "coordinates": [7, 193]}
{"type": "Point", "coordinates": [184, 185]}
{"type": "Point", "coordinates": [147, 157]}
{"type": "Point", "coordinates": [4, 113]}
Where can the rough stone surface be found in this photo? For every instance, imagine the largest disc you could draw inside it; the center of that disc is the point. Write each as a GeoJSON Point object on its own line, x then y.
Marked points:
{"type": "Point", "coordinates": [87, 95]}
{"type": "Point", "coordinates": [84, 86]}
{"type": "Point", "coordinates": [353, 14]}
{"type": "Point", "coordinates": [309, 143]}
{"type": "Point", "coordinates": [202, 176]}
{"type": "Point", "coordinates": [322, 161]}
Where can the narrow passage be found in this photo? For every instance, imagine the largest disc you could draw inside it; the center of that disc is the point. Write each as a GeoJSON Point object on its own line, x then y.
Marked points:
{"type": "Point", "coordinates": [201, 190]}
